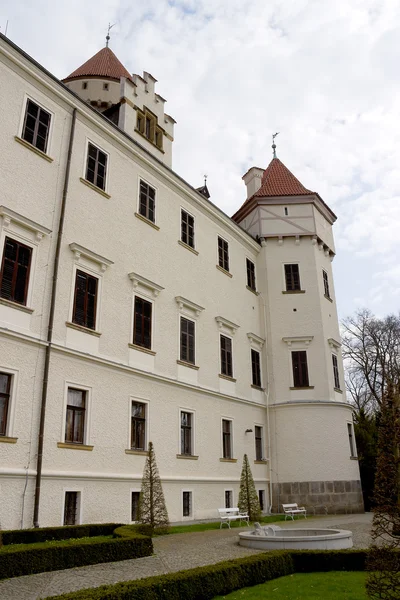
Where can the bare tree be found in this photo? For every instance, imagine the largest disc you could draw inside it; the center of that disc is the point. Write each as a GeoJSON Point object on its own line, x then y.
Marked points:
{"type": "Point", "coordinates": [371, 347]}
{"type": "Point", "coordinates": [152, 508]}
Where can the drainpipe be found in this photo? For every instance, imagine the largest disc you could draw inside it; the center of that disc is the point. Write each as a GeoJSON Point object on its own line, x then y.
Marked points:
{"type": "Point", "coordinates": [50, 327]}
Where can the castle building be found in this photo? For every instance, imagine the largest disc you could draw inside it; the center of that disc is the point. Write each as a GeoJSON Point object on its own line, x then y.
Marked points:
{"type": "Point", "coordinates": [132, 309]}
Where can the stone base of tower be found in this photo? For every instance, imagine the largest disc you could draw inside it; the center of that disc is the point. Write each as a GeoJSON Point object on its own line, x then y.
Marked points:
{"type": "Point", "coordinates": [319, 497]}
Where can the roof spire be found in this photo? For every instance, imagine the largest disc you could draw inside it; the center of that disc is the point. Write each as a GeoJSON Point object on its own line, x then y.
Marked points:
{"type": "Point", "coordinates": [205, 180]}
{"type": "Point", "coordinates": [273, 144]}
{"type": "Point", "coordinates": [108, 33]}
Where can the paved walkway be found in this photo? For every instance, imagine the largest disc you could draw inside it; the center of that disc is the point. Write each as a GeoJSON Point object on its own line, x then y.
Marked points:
{"type": "Point", "coordinates": [171, 553]}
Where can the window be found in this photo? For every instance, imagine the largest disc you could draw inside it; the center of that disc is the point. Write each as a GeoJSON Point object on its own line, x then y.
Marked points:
{"type": "Point", "coordinates": [228, 498]}
{"type": "Point", "coordinates": [85, 300]}
{"type": "Point", "coordinates": [351, 440]}
{"type": "Point", "coordinates": [15, 268]}
{"type": "Point", "coordinates": [105, 86]}
{"type": "Point", "coordinates": [147, 202]}
{"type": "Point", "coordinates": [223, 254]}
{"type": "Point", "coordinates": [75, 421]}
{"type": "Point", "coordinates": [159, 138]}
{"type": "Point", "coordinates": [36, 126]}
{"type": "Point", "coordinates": [142, 323]}
{"type": "Point", "coordinates": [186, 433]}
{"type": "Point", "coordinates": [251, 275]}
{"type": "Point", "coordinates": [187, 228]}
{"type": "Point", "coordinates": [292, 278]}
{"type": "Point", "coordinates": [140, 122]}
{"type": "Point", "coordinates": [226, 356]}
{"type": "Point", "coordinates": [5, 387]}
{"type": "Point", "coordinates": [71, 508]}
{"type": "Point", "coordinates": [187, 504]}
{"type": "Point", "coordinates": [187, 341]}
{"type": "Point", "coordinates": [84, 85]}
{"type": "Point", "coordinates": [258, 435]}
{"type": "Point", "coordinates": [226, 438]}
{"type": "Point", "coordinates": [135, 506]}
{"type": "Point", "coordinates": [261, 499]}
{"type": "Point", "coordinates": [300, 369]}
{"type": "Point", "coordinates": [335, 371]}
{"type": "Point", "coordinates": [286, 211]}
{"type": "Point", "coordinates": [138, 426]}
{"type": "Point", "coordinates": [326, 283]}
{"type": "Point", "coordinates": [255, 368]}
{"type": "Point", "coordinates": [96, 167]}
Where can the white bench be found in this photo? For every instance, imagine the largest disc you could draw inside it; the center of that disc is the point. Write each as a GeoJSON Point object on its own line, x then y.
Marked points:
{"type": "Point", "coordinates": [292, 509]}
{"type": "Point", "coordinates": [232, 514]}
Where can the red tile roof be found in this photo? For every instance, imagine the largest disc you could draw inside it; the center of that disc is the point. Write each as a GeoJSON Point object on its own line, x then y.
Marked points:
{"type": "Point", "coordinates": [104, 64]}
{"type": "Point", "coordinates": [279, 181]}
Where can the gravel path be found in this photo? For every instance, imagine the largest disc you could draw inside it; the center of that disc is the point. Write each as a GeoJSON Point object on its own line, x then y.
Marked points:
{"type": "Point", "coordinates": [171, 553]}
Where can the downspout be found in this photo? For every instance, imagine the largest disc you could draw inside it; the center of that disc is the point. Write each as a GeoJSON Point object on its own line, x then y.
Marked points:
{"type": "Point", "coordinates": [50, 327]}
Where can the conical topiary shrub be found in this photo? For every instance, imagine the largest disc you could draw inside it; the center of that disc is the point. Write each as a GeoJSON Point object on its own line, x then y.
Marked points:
{"type": "Point", "coordinates": [248, 499]}
{"type": "Point", "coordinates": [152, 508]}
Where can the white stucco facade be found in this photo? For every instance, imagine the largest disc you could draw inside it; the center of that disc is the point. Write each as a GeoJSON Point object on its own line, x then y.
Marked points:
{"type": "Point", "coordinates": [303, 431]}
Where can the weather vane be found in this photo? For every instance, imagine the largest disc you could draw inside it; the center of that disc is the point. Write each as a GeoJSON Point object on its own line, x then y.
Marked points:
{"type": "Point", "coordinates": [205, 180]}
{"type": "Point", "coordinates": [273, 144]}
{"type": "Point", "coordinates": [108, 33]}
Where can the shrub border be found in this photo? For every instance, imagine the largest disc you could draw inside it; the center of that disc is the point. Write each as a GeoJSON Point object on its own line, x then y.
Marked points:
{"type": "Point", "coordinates": [204, 583]}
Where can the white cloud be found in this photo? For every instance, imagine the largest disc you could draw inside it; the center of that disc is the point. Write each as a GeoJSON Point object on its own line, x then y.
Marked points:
{"type": "Point", "coordinates": [323, 74]}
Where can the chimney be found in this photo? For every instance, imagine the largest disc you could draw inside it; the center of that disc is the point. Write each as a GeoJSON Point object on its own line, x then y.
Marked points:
{"type": "Point", "coordinates": [252, 180]}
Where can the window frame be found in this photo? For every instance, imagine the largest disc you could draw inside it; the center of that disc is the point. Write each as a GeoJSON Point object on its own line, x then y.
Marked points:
{"type": "Point", "coordinates": [144, 420]}
{"type": "Point", "coordinates": [261, 493]}
{"type": "Point", "coordinates": [187, 242]}
{"type": "Point", "coordinates": [290, 283]}
{"type": "Point", "coordinates": [192, 432]}
{"type": "Point", "coordinates": [21, 127]}
{"type": "Point", "coordinates": [325, 280]}
{"type": "Point", "coordinates": [189, 337]}
{"type": "Point", "coordinates": [352, 440]}
{"type": "Point", "coordinates": [223, 259]}
{"type": "Point", "coordinates": [336, 374]}
{"type": "Point", "coordinates": [190, 516]}
{"type": "Point", "coordinates": [224, 454]}
{"type": "Point", "coordinates": [10, 408]}
{"type": "Point", "coordinates": [93, 275]}
{"type": "Point", "coordinates": [144, 298]}
{"type": "Point", "coordinates": [259, 451]}
{"type": "Point", "coordinates": [300, 380]}
{"type": "Point", "coordinates": [87, 424]}
{"type": "Point", "coordinates": [229, 375]}
{"type": "Point", "coordinates": [251, 275]}
{"type": "Point", "coordinates": [15, 270]}
{"type": "Point", "coordinates": [131, 492]}
{"type": "Point", "coordinates": [256, 380]}
{"type": "Point", "coordinates": [228, 491]}
{"type": "Point", "coordinates": [142, 180]}
{"type": "Point", "coordinates": [79, 510]}
{"type": "Point", "coordinates": [70, 408]}
{"type": "Point", "coordinates": [107, 166]}
{"type": "Point", "coordinates": [146, 402]}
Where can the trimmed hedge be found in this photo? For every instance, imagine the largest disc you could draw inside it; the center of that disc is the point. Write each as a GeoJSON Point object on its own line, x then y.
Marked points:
{"type": "Point", "coordinates": [46, 534]}
{"type": "Point", "coordinates": [204, 583]}
{"type": "Point", "coordinates": [73, 553]}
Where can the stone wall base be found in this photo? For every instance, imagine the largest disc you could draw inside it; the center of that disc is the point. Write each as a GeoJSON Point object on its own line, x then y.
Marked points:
{"type": "Point", "coordinates": [319, 497]}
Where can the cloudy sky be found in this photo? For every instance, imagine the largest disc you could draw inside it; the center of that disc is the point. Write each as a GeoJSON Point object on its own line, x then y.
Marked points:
{"type": "Point", "coordinates": [324, 74]}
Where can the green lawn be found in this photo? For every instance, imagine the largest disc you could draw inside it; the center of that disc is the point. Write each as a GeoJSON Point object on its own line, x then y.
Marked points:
{"type": "Point", "coordinates": [216, 525]}
{"type": "Point", "coordinates": [307, 586]}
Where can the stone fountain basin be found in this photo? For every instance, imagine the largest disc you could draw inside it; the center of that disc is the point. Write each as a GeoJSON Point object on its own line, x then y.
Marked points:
{"type": "Point", "coordinates": [298, 539]}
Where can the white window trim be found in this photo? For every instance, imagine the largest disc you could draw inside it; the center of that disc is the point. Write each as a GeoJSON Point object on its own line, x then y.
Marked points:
{"type": "Point", "coordinates": [88, 411]}
{"type": "Point", "coordinates": [300, 348]}
{"type": "Point", "coordinates": [226, 327]}
{"type": "Point", "coordinates": [292, 262]}
{"type": "Point", "coordinates": [137, 490]}
{"type": "Point", "coordinates": [263, 457]}
{"type": "Point", "coordinates": [247, 258]}
{"type": "Point", "coordinates": [179, 338]}
{"type": "Point", "coordinates": [191, 516]}
{"type": "Point", "coordinates": [79, 512]}
{"type": "Point", "coordinates": [10, 432]}
{"type": "Point", "coordinates": [22, 119]}
{"type": "Point", "coordinates": [94, 273]}
{"type": "Point", "coordinates": [147, 298]}
{"type": "Point", "coordinates": [193, 440]}
{"type": "Point", "coordinates": [188, 308]}
{"type": "Point", "coordinates": [147, 428]}
{"type": "Point", "coordinates": [79, 251]}
{"type": "Point", "coordinates": [223, 418]}
{"type": "Point", "coordinates": [261, 365]}
{"type": "Point", "coordinates": [229, 253]}
{"type": "Point", "coordinates": [233, 352]}
{"type": "Point", "coordinates": [143, 285]}
{"type": "Point", "coordinates": [108, 170]}
{"type": "Point", "coordinates": [256, 342]}
{"type": "Point", "coordinates": [194, 228]}
{"type": "Point", "coordinates": [233, 497]}
{"type": "Point", "coordinates": [156, 191]}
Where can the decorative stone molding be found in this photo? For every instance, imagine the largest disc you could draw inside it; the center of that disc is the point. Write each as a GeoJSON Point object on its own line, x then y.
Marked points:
{"type": "Point", "coordinates": [225, 324]}
{"type": "Point", "coordinates": [255, 340]}
{"type": "Point", "coordinates": [302, 339]}
{"type": "Point", "coordinates": [10, 216]}
{"type": "Point", "coordinates": [334, 344]}
{"type": "Point", "coordinates": [139, 281]}
{"type": "Point", "coordinates": [86, 253]}
{"type": "Point", "coordinates": [188, 305]}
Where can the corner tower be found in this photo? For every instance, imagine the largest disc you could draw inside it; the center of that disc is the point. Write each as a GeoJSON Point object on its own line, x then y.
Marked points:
{"type": "Point", "coordinates": [129, 101]}
{"type": "Point", "coordinates": [312, 451]}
